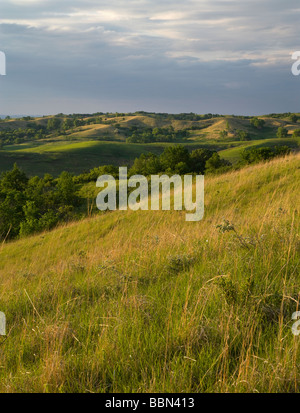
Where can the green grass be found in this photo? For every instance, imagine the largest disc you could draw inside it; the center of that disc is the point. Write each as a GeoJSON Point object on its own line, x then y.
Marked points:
{"type": "Point", "coordinates": [54, 157]}
{"type": "Point", "coordinates": [147, 302]}
{"type": "Point", "coordinates": [233, 154]}
{"type": "Point", "coordinates": [86, 147]}
{"type": "Point", "coordinates": [74, 157]}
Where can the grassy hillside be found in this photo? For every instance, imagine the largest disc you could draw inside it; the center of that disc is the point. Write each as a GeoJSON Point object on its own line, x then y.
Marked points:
{"type": "Point", "coordinates": [38, 158]}
{"type": "Point", "coordinates": [101, 140]}
{"type": "Point", "coordinates": [147, 302]}
{"type": "Point", "coordinates": [233, 154]}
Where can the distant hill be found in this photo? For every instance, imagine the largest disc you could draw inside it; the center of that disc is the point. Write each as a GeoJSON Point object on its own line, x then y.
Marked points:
{"type": "Point", "coordinates": [80, 142]}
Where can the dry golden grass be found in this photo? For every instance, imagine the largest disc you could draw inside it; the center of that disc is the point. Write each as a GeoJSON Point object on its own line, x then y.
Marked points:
{"type": "Point", "coordinates": [147, 302]}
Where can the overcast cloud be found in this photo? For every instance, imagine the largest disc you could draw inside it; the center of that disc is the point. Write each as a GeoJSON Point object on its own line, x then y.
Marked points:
{"type": "Point", "coordinates": [220, 56]}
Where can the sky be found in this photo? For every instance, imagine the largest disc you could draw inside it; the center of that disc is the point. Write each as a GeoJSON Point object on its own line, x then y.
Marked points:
{"type": "Point", "coordinates": [201, 56]}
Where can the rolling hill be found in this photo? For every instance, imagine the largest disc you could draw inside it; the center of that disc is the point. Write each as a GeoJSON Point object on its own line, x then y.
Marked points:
{"type": "Point", "coordinates": [101, 139]}
{"type": "Point", "coordinates": [147, 302]}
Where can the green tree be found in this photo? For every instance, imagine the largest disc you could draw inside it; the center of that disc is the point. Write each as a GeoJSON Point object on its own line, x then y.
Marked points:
{"type": "Point", "coordinates": [296, 133]}
{"type": "Point", "coordinates": [254, 155]}
{"type": "Point", "coordinates": [198, 159]}
{"type": "Point", "coordinates": [243, 135]}
{"type": "Point", "coordinates": [293, 118]}
{"type": "Point", "coordinates": [216, 162]}
{"type": "Point", "coordinates": [66, 189]}
{"type": "Point", "coordinates": [282, 150]}
{"type": "Point", "coordinates": [172, 155]}
{"type": "Point", "coordinates": [282, 132]}
{"type": "Point", "coordinates": [146, 164]}
{"type": "Point", "coordinates": [223, 134]}
{"type": "Point", "coordinates": [53, 124]}
{"type": "Point", "coordinates": [14, 180]}
{"type": "Point", "coordinates": [257, 123]}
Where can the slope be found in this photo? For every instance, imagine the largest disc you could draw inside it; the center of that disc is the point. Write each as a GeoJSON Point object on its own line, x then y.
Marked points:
{"type": "Point", "coordinates": [147, 302]}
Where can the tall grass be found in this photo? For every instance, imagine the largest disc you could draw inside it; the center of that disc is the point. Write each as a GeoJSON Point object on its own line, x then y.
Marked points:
{"type": "Point", "coordinates": [147, 302]}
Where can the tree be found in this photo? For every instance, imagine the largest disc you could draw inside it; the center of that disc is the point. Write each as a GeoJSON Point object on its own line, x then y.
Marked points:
{"type": "Point", "coordinates": [293, 118]}
{"type": "Point", "coordinates": [28, 206]}
{"type": "Point", "coordinates": [282, 132]}
{"type": "Point", "coordinates": [296, 133]}
{"type": "Point", "coordinates": [243, 135]}
{"type": "Point", "coordinates": [172, 155]}
{"type": "Point", "coordinates": [14, 180]}
{"type": "Point", "coordinates": [223, 134]}
{"type": "Point", "coordinates": [53, 124]}
{"type": "Point", "coordinates": [67, 124]}
{"type": "Point", "coordinates": [282, 150]}
{"type": "Point", "coordinates": [146, 164]}
{"type": "Point", "coordinates": [66, 189]}
{"type": "Point", "coordinates": [12, 197]}
{"type": "Point", "coordinates": [257, 123]}
{"type": "Point", "coordinates": [254, 155]}
{"type": "Point", "coordinates": [216, 162]}
{"type": "Point", "coordinates": [198, 159]}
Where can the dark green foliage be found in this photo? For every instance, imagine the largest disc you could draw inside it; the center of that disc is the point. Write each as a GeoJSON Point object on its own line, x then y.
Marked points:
{"type": "Point", "coordinates": [215, 163]}
{"type": "Point", "coordinates": [20, 135]}
{"type": "Point", "coordinates": [36, 204]}
{"type": "Point", "coordinates": [155, 135]}
{"type": "Point", "coordinates": [172, 156]}
{"type": "Point", "coordinates": [257, 123]}
{"type": "Point", "coordinates": [223, 134]}
{"type": "Point", "coordinates": [282, 132]}
{"type": "Point", "coordinates": [177, 159]}
{"type": "Point", "coordinates": [198, 159]}
{"type": "Point", "coordinates": [146, 164]}
{"type": "Point", "coordinates": [53, 124]}
{"type": "Point", "coordinates": [93, 174]}
{"type": "Point", "coordinates": [293, 118]}
{"type": "Point", "coordinates": [254, 155]}
{"type": "Point", "coordinates": [242, 135]}
{"type": "Point", "coordinates": [282, 150]}
{"type": "Point", "coordinates": [296, 133]}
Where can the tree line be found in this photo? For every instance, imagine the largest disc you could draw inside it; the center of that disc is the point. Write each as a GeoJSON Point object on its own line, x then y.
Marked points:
{"type": "Point", "coordinates": [30, 205]}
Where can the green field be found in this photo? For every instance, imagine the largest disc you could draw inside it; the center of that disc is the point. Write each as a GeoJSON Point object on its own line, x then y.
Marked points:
{"type": "Point", "coordinates": [77, 157]}
{"type": "Point", "coordinates": [85, 147]}
{"type": "Point", "coordinates": [233, 154]}
{"type": "Point", "coordinates": [147, 302]}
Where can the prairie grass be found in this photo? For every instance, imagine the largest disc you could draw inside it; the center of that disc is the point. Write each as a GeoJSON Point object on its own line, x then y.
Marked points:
{"type": "Point", "coordinates": [147, 302]}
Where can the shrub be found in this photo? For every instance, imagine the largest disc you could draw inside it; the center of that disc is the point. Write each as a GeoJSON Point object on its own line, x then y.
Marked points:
{"type": "Point", "coordinates": [282, 132]}
{"type": "Point", "coordinates": [257, 123]}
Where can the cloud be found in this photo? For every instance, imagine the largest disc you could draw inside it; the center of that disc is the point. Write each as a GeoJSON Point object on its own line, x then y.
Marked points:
{"type": "Point", "coordinates": [193, 54]}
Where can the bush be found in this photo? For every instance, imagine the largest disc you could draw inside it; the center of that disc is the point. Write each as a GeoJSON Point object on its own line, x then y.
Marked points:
{"type": "Point", "coordinates": [254, 155]}
{"type": "Point", "coordinates": [36, 204]}
{"type": "Point", "coordinates": [293, 118]}
{"type": "Point", "coordinates": [173, 155]}
{"type": "Point", "coordinates": [198, 159]}
{"type": "Point", "coordinates": [243, 135]}
{"type": "Point", "coordinates": [257, 123]}
{"type": "Point", "coordinates": [296, 133]}
{"type": "Point", "coordinates": [282, 132]}
{"type": "Point", "coordinates": [215, 162]}
{"type": "Point", "coordinates": [146, 164]}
